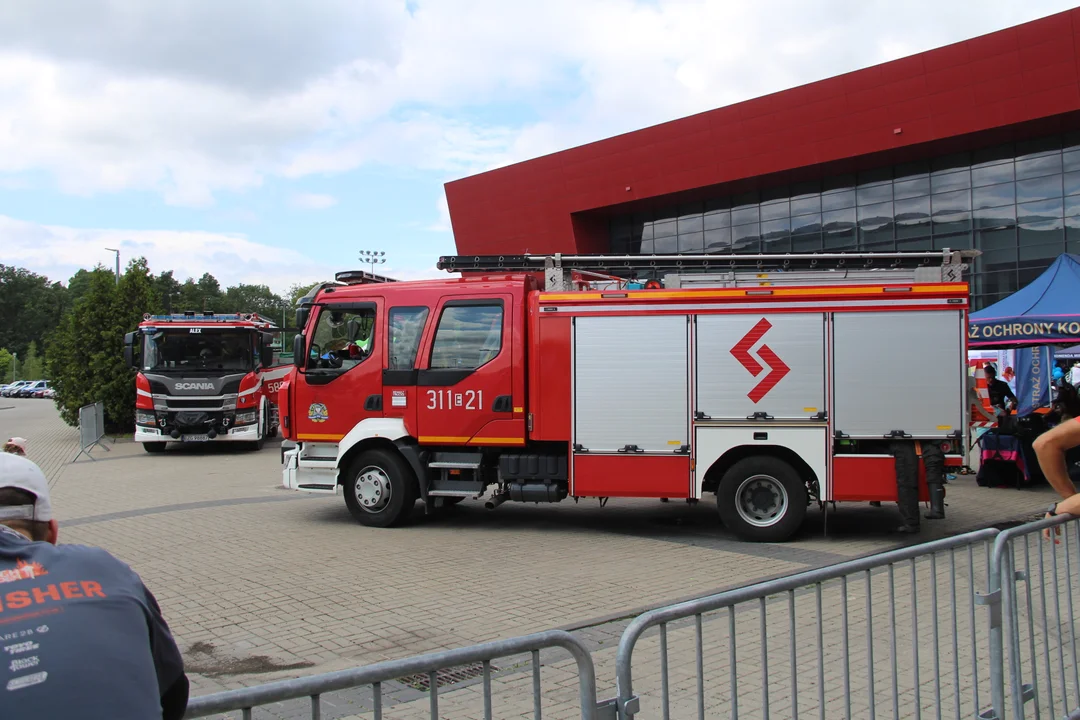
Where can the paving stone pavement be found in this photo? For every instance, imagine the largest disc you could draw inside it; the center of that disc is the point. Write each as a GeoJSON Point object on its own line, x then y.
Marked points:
{"type": "Point", "coordinates": [259, 583]}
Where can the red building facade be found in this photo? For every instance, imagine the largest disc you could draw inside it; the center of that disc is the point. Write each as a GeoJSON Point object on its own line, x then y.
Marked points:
{"type": "Point", "coordinates": [975, 144]}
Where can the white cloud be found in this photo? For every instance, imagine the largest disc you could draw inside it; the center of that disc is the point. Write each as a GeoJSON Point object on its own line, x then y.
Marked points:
{"type": "Point", "coordinates": [312, 201]}
{"type": "Point", "coordinates": [191, 98]}
{"type": "Point", "coordinates": [58, 252]}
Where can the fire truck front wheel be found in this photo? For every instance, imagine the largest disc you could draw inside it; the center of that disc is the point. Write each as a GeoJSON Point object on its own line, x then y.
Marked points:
{"type": "Point", "coordinates": [762, 499]}
{"type": "Point", "coordinates": [380, 489]}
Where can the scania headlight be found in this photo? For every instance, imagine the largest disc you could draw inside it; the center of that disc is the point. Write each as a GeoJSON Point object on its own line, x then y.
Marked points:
{"type": "Point", "coordinates": [145, 417]}
{"type": "Point", "coordinates": [249, 417]}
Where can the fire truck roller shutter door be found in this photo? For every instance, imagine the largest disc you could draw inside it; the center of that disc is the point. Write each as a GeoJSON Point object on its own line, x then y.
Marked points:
{"type": "Point", "coordinates": [873, 397]}
{"type": "Point", "coordinates": [748, 363]}
{"type": "Point", "coordinates": [631, 384]}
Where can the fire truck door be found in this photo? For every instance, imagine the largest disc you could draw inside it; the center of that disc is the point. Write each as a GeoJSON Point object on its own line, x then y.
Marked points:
{"type": "Point", "coordinates": [343, 369]}
{"type": "Point", "coordinates": [404, 330]}
{"type": "Point", "coordinates": [465, 385]}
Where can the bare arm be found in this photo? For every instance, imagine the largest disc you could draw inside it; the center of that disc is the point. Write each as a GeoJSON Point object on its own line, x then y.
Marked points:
{"type": "Point", "coordinates": [1050, 448]}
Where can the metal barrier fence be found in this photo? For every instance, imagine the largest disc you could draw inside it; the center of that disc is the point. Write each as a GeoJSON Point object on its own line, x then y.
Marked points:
{"type": "Point", "coordinates": [896, 633]}
{"type": "Point", "coordinates": [847, 654]}
{"type": "Point", "coordinates": [314, 687]}
{"type": "Point", "coordinates": [1032, 583]}
{"type": "Point", "coordinates": [91, 429]}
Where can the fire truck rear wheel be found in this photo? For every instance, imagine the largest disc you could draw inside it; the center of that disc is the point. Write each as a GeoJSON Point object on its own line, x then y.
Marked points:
{"type": "Point", "coordinates": [762, 499]}
{"type": "Point", "coordinates": [380, 489]}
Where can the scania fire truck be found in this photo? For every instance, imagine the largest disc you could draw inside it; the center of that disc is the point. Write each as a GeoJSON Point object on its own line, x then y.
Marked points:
{"type": "Point", "coordinates": [204, 377]}
{"type": "Point", "coordinates": [767, 380]}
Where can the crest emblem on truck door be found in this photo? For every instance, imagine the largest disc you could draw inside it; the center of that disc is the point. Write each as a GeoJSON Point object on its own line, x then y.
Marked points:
{"type": "Point", "coordinates": [768, 360]}
{"type": "Point", "coordinates": [317, 413]}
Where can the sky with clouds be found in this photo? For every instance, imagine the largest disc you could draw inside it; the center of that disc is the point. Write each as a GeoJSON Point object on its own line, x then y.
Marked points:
{"type": "Point", "coordinates": [269, 142]}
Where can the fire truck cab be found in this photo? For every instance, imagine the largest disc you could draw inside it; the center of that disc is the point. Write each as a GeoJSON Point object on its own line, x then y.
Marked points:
{"type": "Point", "coordinates": [204, 377]}
{"type": "Point", "coordinates": [769, 389]}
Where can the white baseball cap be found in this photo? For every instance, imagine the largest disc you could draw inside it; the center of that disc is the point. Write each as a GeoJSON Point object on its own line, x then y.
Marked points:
{"type": "Point", "coordinates": [22, 474]}
{"type": "Point", "coordinates": [18, 442]}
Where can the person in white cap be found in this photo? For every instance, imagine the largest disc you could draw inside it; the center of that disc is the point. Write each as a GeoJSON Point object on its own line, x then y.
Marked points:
{"type": "Point", "coordinates": [81, 635]}
{"type": "Point", "coordinates": [16, 445]}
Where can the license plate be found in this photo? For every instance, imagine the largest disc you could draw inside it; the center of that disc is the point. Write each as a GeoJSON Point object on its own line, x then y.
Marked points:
{"type": "Point", "coordinates": [195, 438]}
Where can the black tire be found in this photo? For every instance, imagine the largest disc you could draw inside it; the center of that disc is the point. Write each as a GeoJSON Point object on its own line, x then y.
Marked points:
{"type": "Point", "coordinates": [773, 502]}
{"type": "Point", "coordinates": [375, 472]}
{"type": "Point", "coordinates": [257, 445]}
{"type": "Point", "coordinates": [154, 447]}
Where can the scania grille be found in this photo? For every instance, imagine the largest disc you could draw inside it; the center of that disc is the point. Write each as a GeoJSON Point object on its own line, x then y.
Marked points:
{"type": "Point", "coordinates": [204, 403]}
{"type": "Point", "coordinates": [192, 404]}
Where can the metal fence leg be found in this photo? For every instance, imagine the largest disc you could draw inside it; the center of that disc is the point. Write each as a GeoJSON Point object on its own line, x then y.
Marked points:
{"type": "Point", "coordinates": [992, 599]}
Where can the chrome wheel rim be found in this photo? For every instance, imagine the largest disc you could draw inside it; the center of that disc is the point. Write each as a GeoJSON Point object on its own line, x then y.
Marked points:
{"type": "Point", "coordinates": [373, 491]}
{"type": "Point", "coordinates": [761, 500]}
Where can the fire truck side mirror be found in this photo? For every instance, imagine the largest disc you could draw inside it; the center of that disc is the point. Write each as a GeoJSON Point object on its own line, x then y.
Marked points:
{"type": "Point", "coordinates": [129, 349]}
{"type": "Point", "coordinates": [266, 355]}
{"type": "Point", "coordinates": [302, 316]}
{"type": "Point", "coordinates": [299, 356]}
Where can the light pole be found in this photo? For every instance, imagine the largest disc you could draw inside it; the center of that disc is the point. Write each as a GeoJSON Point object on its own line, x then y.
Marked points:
{"type": "Point", "coordinates": [373, 258]}
{"type": "Point", "coordinates": [117, 263]}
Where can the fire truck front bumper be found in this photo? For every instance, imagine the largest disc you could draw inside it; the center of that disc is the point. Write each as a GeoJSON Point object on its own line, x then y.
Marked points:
{"type": "Point", "coordinates": [309, 467]}
{"type": "Point", "coordinates": [244, 433]}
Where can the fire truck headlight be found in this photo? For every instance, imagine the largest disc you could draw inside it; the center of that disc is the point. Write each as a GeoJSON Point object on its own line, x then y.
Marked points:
{"type": "Point", "coordinates": [247, 418]}
{"type": "Point", "coordinates": [145, 417]}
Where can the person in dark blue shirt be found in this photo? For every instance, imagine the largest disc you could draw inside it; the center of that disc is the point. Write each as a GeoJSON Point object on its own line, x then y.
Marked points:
{"type": "Point", "coordinates": [80, 634]}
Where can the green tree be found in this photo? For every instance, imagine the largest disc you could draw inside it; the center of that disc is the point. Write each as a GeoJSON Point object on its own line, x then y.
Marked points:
{"type": "Point", "coordinates": [79, 283]}
{"type": "Point", "coordinates": [33, 365]}
{"type": "Point", "coordinates": [253, 298]}
{"type": "Point", "coordinates": [203, 294]}
{"type": "Point", "coordinates": [84, 357]}
{"type": "Point", "coordinates": [30, 307]}
{"type": "Point", "coordinates": [168, 289]}
{"type": "Point", "coordinates": [7, 364]}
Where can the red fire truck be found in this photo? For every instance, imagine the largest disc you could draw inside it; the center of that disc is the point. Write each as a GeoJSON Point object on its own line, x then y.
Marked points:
{"type": "Point", "coordinates": [204, 377]}
{"type": "Point", "coordinates": [769, 381]}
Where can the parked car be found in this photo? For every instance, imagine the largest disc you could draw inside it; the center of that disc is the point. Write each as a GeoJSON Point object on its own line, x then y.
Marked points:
{"type": "Point", "coordinates": [40, 390]}
{"type": "Point", "coordinates": [48, 393]}
{"type": "Point", "coordinates": [10, 389]}
{"type": "Point", "coordinates": [30, 388]}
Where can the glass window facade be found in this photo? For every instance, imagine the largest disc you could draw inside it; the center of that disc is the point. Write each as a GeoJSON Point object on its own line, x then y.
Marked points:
{"type": "Point", "coordinates": [1018, 203]}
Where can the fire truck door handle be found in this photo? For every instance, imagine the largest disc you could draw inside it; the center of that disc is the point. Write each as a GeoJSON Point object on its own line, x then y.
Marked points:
{"type": "Point", "coordinates": [760, 415]}
{"type": "Point", "coordinates": [503, 403]}
{"type": "Point", "coordinates": [373, 402]}
{"type": "Point", "coordinates": [630, 449]}
{"type": "Point", "coordinates": [821, 415]}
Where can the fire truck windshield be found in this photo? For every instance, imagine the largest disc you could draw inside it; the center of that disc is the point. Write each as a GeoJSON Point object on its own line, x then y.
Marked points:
{"type": "Point", "coordinates": [210, 349]}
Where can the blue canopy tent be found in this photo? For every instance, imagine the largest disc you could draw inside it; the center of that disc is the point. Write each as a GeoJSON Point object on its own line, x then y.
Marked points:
{"type": "Point", "coordinates": [1046, 312]}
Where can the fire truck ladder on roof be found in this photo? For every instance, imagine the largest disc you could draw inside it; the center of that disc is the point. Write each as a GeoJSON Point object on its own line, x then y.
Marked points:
{"type": "Point", "coordinates": [728, 270]}
{"type": "Point", "coordinates": [208, 317]}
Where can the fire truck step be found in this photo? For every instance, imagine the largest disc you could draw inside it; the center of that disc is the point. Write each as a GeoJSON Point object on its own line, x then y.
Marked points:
{"type": "Point", "coordinates": [456, 461]}
{"type": "Point", "coordinates": [456, 488]}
